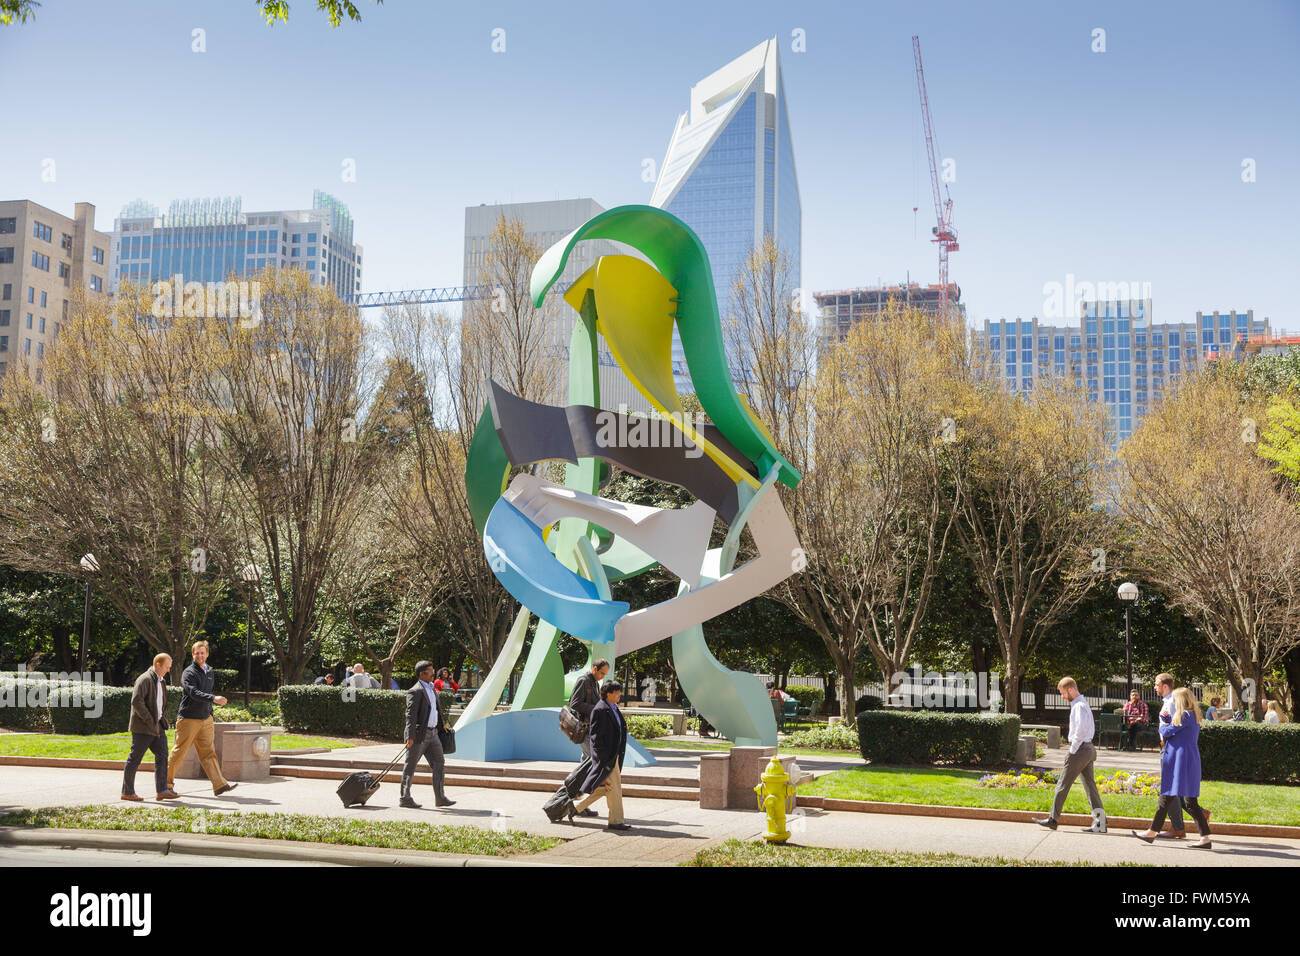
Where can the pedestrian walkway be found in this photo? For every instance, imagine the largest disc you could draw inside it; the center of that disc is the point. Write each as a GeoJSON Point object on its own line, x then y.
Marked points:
{"type": "Point", "coordinates": [1146, 761]}
{"type": "Point", "coordinates": [664, 831]}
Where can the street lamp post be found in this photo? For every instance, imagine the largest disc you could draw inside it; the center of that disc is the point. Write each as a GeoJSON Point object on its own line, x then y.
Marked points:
{"type": "Point", "coordinates": [251, 575]}
{"type": "Point", "coordinates": [90, 566]}
{"type": "Point", "coordinates": [1128, 593]}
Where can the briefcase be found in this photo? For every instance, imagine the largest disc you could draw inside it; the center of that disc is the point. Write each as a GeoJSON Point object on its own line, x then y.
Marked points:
{"type": "Point", "coordinates": [573, 726]}
{"type": "Point", "coordinates": [447, 737]}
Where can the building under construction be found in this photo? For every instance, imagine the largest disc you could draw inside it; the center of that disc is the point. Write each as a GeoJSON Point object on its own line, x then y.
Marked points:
{"type": "Point", "coordinates": [837, 311]}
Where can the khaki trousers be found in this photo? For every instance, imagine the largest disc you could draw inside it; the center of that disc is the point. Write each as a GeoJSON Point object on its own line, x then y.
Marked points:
{"type": "Point", "coordinates": [612, 791]}
{"type": "Point", "coordinates": [199, 734]}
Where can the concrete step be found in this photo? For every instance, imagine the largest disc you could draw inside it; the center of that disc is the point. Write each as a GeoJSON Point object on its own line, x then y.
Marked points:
{"type": "Point", "coordinates": [643, 778]}
{"type": "Point", "coordinates": [518, 781]}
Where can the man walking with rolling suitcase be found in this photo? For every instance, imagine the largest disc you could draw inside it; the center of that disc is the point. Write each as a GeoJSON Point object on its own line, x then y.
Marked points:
{"type": "Point", "coordinates": [423, 725]}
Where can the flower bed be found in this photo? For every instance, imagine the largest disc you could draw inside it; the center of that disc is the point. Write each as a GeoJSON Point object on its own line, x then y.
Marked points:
{"type": "Point", "coordinates": [1125, 781]}
{"type": "Point", "coordinates": [1023, 778]}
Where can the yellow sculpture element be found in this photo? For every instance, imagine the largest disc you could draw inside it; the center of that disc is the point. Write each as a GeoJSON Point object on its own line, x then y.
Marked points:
{"type": "Point", "coordinates": [635, 311]}
{"type": "Point", "coordinates": [775, 797]}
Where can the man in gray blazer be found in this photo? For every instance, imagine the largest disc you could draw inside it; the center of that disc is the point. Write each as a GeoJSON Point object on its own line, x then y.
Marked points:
{"type": "Point", "coordinates": [148, 728]}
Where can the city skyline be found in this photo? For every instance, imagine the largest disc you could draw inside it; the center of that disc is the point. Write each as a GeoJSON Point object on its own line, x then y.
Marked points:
{"type": "Point", "coordinates": [1122, 165]}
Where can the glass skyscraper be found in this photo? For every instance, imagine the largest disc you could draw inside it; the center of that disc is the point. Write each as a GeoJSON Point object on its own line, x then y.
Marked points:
{"type": "Point", "coordinates": [1115, 352]}
{"type": "Point", "coordinates": [210, 240]}
{"type": "Point", "coordinates": [729, 172]}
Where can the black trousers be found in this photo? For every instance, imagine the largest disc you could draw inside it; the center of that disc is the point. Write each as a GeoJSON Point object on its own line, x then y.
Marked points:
{"type": "Point", "coordinates": [157, 743]}
{"type": "Point", "coordinates": [1192, 807]}
{"type": "Point", "coordinates": [430, 748]}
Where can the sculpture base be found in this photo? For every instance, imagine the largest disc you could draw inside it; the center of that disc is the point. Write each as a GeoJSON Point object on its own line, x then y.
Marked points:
{"type": "Point", "coordinates": [529, 735]}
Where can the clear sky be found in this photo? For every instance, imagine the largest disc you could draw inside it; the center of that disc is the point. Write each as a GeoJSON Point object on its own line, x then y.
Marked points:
{"type": "Point", "coordinates": [1123, 165]}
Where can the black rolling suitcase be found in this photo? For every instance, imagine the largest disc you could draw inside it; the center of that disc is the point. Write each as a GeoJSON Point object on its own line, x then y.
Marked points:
{"type": "Point", "coordinates": [360, 785]}
{"type": "Point", "coordinates": [557, 807]}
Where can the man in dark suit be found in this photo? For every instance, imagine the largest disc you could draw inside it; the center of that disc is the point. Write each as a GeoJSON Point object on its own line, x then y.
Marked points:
{"type": "Point", "coordinates": [586, 695]}
{"type": "Point", "coordinates": [423, 723]}
{"type": "Point", "coordinates": [148, 728]}
{"type": "Point", "coordinates": [608, 744]}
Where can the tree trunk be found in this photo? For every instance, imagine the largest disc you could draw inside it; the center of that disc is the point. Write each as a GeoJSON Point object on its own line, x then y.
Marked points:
{"type": "Point", "coordinates": [1291, 667]}
{"type": "Point", "coordinates": [846, 685]}
{"type": "Point", "coordinates": [385, 673]}
{"type": "Point", "coordinates": [1011, 691]}
{"type": "Point", "coordinates": [62, 646]}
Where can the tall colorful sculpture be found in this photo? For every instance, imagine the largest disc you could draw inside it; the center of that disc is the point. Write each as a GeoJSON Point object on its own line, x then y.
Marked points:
{"type": "Point", "coordinates": [557, 548]}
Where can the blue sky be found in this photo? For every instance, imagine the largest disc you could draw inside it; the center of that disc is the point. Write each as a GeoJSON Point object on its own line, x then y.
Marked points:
{"type": "Point", "coordinates": [1117, 166]}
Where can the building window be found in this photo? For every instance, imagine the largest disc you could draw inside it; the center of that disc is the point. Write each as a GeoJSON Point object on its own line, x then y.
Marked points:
{"type": "Point", "coordinates": [4, 343]}
{"type": "Point", "coordinates": [64, 270]}
{"type": "Point", "coordinates": [43, 298]}
{"type": "Point", "coordinates": [4, 316]}
{"type": "Point", "coordinates": [29, 320]}
{"type": "Point", "coordinates": [65, 242]}
{"type": "Point", "coordinates": [6, 254]}
{"type": "Point", "coordinates": [40, 349]}
{"type": "Point", "coordinates": [27, 346]}
{"type": "Point", "coordinates": [40, 261]}
{"type": "Point", "coordinates": [42, 325]}
{"type": "Point", "coordinates": [96, 284]}
{"type": "Point", "coordinates": [8, 225]}
{"type": "Point", "coordinates": [8, 292]}
{"type": "Point", "coordinates": [42, 231]}
{"type": "Point", "coordinates": [97, 255]}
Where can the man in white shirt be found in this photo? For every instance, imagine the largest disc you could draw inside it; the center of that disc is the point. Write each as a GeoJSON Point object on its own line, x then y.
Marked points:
{"type": "Point", "coordinates": [1081, 759]}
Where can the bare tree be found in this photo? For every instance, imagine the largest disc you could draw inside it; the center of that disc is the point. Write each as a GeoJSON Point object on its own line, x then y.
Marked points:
{"type": "Point", "coordinates": [870, 512]}
{"type": "Point", "coordinates": [288, 394]}
{"type": "Point", "coordinates": [1215, 530]}
{"type": "Point", "coordinates": [111, 455]}
{"type": "Point", "coordinates": [1027, 476]}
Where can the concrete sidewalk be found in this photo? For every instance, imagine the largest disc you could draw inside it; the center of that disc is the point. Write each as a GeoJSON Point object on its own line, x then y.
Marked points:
{"type": "Point", "coordinates": [665, 831]}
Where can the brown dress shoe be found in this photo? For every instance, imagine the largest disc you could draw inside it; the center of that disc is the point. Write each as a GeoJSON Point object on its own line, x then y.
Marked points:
{"type": "Point", "coordinates": [169, 795]}
{"type": "Point", "coordinates": [133, 797]}
{"type": "Point", "coordinates": [226, 789]}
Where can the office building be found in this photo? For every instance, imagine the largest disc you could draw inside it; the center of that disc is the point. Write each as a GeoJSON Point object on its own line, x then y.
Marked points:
{"type": "Point", "coordinates": [729, 171]}
{"type": "Point", "coordinates": [1116, 353]}
{"type": "Point", "coordinates": [544, 224]}
{"type": "Point", "coordinates": [212, 240]}
{"type": "Point", "coordinates": [43, 256]}
{"type": "Point", "coordinates": [837, 311]}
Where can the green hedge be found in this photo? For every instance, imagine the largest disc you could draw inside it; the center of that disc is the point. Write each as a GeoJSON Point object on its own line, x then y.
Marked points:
{"type": "Point", "coordinates": [867, 702]}
{"type": "Point", "coordinates": [905, 737]}
{"type": "Point", "coordinates": [317, 709]}
{"type": "Point", "coordinates": [648, 726]}
{"type": "Point", "coordinates": [810, 697]}
{"type": "Point", "coordinates": [72, 707]}
{"type": "Point", "coordinates": [1241, 751]}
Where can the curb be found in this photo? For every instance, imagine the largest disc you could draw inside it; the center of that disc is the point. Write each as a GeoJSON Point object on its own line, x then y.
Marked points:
{"type": "Point", "coordinates": [251, 848]}
{"type": "Point", "coordinates": [1027, 816]}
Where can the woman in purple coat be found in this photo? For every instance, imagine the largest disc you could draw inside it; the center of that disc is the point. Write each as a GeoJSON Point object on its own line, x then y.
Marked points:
{"type": "Point", "coordinates": [1180, 767]}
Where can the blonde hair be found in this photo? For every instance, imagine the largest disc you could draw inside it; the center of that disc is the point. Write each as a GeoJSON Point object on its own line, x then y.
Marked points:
{"type": "Point", "coordinates": [1066, 682]}
{"type": "Point", "coordinates": [202, 644]}
{"type": "Point", "coordinates": [1184, 701]}
{"type": "Point", "coordinates": [159, 658]}
{"type": "Point", "coordinates": [1276, 708]}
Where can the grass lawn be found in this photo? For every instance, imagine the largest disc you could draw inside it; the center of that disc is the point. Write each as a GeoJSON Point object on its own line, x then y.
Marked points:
{"type": "Point", "coordinates": [761, 853]}
{"type": "Point", "coordinates": [118, 746]}
{"type": "Point", "coordinates": [726, 745]}
{"type": "Point", "coordinates": [1229, 802]}
{"type": "Point", "coordinates": [389, 834]}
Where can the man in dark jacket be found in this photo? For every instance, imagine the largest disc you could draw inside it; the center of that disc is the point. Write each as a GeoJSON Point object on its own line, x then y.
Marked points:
{"type": "Point", "coordinates": [194, 721]}
{"type": "Point", "coordinates": [148, 728]}
{"type": "Point", "coordinates": [586, 695]}
{"type": "Point", "coordinates": [424, 721]}
{"type": "Point", "coordinates": [608, 743]}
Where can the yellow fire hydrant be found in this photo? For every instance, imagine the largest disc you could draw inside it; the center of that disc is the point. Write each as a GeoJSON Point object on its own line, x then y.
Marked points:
{"type": "Point", "coordinates": [775, 794]}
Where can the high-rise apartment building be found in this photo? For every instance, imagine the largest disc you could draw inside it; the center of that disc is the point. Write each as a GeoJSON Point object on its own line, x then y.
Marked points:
{"type": "Point", "coordinates": [43, 256]}
{"type": "Point", "coordinates": [211, 240]}
{"type": "Point", "coordinates": [729, 172]}
{"type": "Point", "coordinates": [838, 310]}
{"type": "Point", "coordinates": [1115, 352]}
{"type": "Point", "coordinates": [544, 224]}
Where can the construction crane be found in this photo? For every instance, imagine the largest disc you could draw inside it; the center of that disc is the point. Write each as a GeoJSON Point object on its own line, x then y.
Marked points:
{"type": "Point", "coordinates": [943, 232]}
{"type": "Point", "coordinates": [453, 293]}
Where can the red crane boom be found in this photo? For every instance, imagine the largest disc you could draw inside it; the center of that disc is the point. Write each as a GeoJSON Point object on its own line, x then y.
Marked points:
{"type": "Point", "coordinates": [944, 233]}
